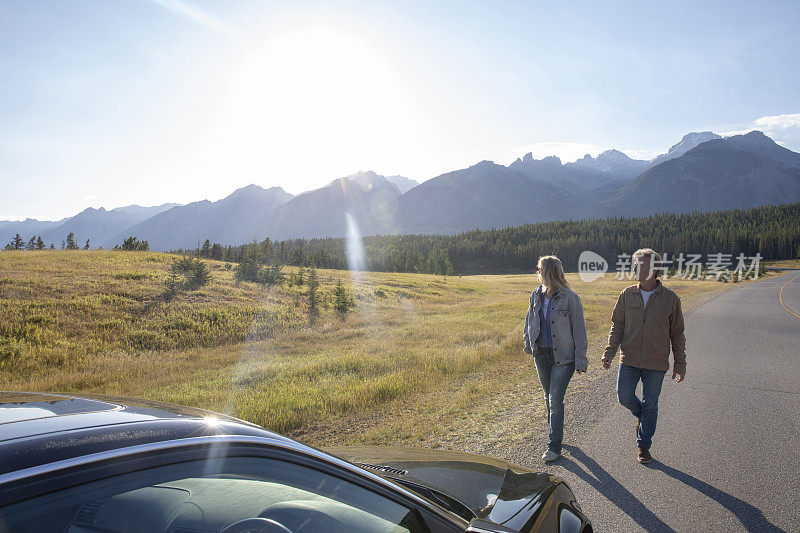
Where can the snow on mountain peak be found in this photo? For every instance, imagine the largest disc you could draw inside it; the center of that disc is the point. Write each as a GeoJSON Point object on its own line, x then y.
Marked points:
{"type": "Point", "coordinates": [689, 141]}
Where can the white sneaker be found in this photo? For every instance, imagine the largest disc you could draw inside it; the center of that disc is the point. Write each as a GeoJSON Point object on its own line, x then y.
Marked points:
{"type": "Point", "coordinates": [550, 456]}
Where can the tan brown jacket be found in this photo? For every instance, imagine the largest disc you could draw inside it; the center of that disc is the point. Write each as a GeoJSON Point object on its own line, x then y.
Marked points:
{"type": "Point", "coordinates": [644, 334]}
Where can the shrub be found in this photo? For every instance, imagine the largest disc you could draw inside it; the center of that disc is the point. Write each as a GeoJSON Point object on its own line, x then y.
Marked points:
{"type": "Point", "coordinates": [10, 350]}
{"type": "Point", "coordinates": [132, 276]}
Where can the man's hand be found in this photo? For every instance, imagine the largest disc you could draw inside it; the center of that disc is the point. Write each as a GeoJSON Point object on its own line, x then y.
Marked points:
{"type": "Point", "coordinates": [678, 376]}
{"type": "Point", "coordinates": [606, 363]}
{"type": "Point", "coordinates": [579, 371]}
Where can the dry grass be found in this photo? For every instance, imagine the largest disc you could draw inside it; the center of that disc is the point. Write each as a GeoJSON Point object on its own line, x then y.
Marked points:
{"type": "Point", "coordinates": [482, 406]}
{"type": "Point", "coordinates": [421, 357]}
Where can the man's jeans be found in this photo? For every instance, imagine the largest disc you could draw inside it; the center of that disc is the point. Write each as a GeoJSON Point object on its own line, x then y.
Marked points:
{"type": "Point", "coordinates": [554, 379]}
{"type": "Point", "coordinates": [645, 409]}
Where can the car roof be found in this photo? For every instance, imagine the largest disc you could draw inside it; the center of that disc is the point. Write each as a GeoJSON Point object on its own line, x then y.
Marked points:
{"type": "Point", "coordinates": [41, 428]}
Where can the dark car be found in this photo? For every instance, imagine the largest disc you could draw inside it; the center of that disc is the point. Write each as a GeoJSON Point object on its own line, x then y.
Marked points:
{"type": "Point", "coordinates": [79, 464]}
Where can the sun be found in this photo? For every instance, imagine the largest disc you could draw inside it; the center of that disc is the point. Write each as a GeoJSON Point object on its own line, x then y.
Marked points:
{"type": "Point", "coordinates": [317, 94]}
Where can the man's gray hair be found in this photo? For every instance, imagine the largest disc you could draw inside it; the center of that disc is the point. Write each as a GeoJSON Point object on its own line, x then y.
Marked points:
{"type": "Point", "coordinates": [654, 257]}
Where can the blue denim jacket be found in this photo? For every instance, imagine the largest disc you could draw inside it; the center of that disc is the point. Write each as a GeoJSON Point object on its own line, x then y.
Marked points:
{"type": "Point", "coordinates": [567, 326]}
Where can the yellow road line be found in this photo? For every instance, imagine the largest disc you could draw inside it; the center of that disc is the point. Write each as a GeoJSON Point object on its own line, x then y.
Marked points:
{"type": "Point", "coordinates": [780, 296]}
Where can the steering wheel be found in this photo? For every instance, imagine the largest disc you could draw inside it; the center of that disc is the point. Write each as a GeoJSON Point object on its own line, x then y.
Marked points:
{"type": "Point", "coordinates": [257, 525]}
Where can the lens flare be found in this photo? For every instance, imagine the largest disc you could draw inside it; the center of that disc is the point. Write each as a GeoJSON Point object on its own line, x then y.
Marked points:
{"type": "Point", "coordinates": [355, 249]}
{"type": "Point", "coordinates": [361, 284]}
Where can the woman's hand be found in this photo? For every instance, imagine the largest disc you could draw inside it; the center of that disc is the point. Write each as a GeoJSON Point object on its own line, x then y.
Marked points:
{"type": "Point", "coordinates": [579, 371]}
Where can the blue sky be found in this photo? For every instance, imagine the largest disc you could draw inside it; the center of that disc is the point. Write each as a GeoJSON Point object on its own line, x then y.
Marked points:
{"type": "Point", "coordinates": [152, 101]}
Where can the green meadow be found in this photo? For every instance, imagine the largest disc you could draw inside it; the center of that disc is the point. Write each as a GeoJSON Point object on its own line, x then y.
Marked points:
{"type": "Point", "coordinates": [418, 359]}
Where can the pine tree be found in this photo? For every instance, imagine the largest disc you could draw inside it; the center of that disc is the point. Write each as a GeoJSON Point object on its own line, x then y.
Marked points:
{"type": "Point", "coordinates": [172, 284]}
{"type": "Point", "coordinates": [86, 246]}
{"type": "Point", "coordinates": [341, 302]}
{"type": "Point", "coordinates": [31, 244]}
{"type": "Point", "coordinates": [249, 267]}
{"type": "Point", "coordinates": [40, 243]}
{"type": "Point", "coordinates": [198, 275]}
{"type": "Point", "coordinates": [445, 264]}
{"type": "Point", "coordinates": [71, 244]}
{"type": "Point", "coordinates": [205, 251]}
{"type": "Point", "coordinates": [17, 243]}
{"type": "Point", "coordinates": [313, 297]}
{"type": "Point", "coordinates": [273, 274]}
{"type": "Point", "coordinates": [182, 265]}
{"type": "Point", "coordinates": [52, 246]}
{"type": "Point", "coordinates": [195, 274]}
{"type": "Point", "coordinates": [133, 244]}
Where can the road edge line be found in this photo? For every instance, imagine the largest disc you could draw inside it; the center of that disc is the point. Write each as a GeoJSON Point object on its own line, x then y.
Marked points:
{"type": "Point", "coordinates": [780, 295]}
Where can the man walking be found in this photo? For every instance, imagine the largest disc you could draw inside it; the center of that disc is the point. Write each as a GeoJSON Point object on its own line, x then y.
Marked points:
{"type": "Point", "coordinates": [646, 321]}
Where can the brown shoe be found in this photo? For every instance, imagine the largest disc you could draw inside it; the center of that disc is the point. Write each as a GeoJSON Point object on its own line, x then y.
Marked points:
{"type": "Point", "coordinates": [644, 456]}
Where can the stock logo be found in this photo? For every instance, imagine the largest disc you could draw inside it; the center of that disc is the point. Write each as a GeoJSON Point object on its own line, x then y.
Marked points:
{"type": "Point", "coordinates": [591, 266]}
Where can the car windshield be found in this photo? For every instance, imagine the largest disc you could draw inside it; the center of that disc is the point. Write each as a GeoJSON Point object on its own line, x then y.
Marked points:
{"type": "Point", "coordinates": [189, 497]}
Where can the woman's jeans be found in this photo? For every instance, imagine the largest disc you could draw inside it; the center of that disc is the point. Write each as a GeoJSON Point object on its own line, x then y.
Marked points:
{"type": "Point", "coordinates": [554, 379]}
{"type": "Point", "coordinates": [646, 409]}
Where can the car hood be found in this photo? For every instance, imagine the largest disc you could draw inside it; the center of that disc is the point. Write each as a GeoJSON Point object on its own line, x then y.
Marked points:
{"type": "Point", "coordinates": [491, 488]}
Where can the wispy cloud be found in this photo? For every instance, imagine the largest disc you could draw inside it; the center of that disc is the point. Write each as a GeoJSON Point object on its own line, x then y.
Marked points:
{"type": "Point", "coordinates": [771, 124]}
{"type": "Point", "coordinates": [791, 120]}
{"type": "Point", "coordinates": [194, 14]}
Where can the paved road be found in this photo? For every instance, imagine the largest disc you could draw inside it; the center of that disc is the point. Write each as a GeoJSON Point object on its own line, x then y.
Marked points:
{"type": "Point", "coordinates": [727, 447]}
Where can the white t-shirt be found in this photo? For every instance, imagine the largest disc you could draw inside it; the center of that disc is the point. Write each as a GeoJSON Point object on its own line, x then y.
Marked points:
{"type": "Point", "coordinates": [646, 295]}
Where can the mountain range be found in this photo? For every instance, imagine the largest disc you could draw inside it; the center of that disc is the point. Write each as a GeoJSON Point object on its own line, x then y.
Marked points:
{"type": "Point", "coordinates": [702, 172]}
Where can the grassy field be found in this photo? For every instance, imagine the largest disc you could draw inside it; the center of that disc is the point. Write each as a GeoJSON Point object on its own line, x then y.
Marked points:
{"type": "Point", "coordinates": [420, 359]}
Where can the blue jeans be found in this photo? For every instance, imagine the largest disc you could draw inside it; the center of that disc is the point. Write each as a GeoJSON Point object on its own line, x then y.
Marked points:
{"type": "Point", "coordinates": [554, 379]}
{"type": "Point", "coordinates": [646, 409]}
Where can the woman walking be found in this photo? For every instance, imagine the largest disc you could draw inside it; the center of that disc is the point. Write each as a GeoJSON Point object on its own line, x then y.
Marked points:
{"type": "Point", "coordinates": [555, 335]}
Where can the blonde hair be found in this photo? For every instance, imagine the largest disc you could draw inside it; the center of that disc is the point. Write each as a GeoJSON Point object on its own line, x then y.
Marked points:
{"type": "Point", "coordinates": [645, 252]}
{"type": "Point", "coordinates": [551, 273]}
